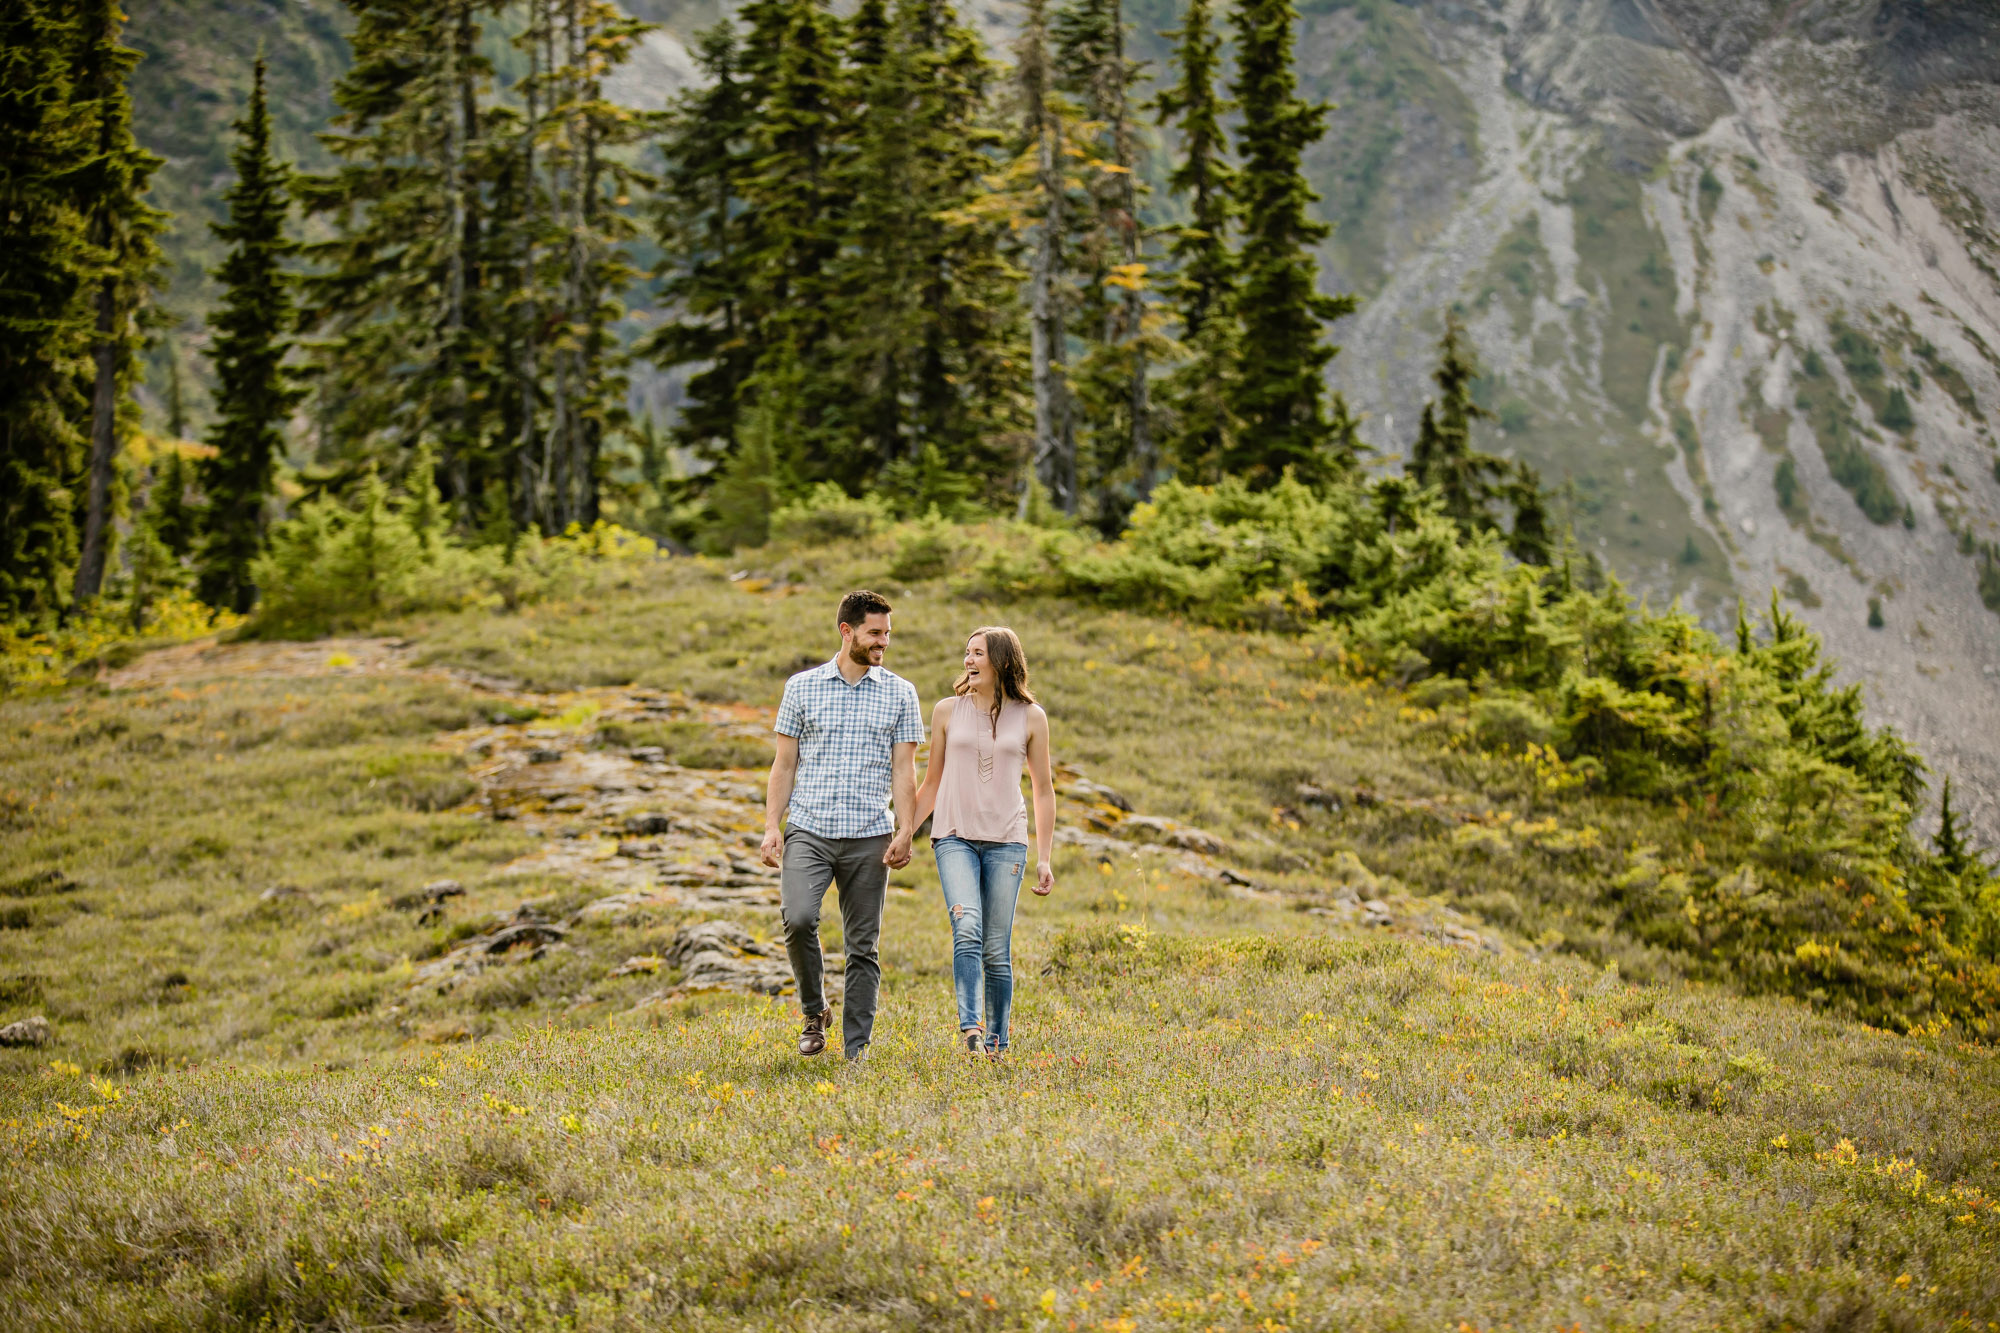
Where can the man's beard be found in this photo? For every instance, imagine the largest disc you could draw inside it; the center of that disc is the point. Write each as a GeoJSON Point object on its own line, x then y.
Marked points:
{"type": "Point", "coordinates": [860, 654]}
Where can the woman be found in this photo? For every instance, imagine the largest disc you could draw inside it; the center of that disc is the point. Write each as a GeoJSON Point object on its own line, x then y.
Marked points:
{"type": "Point", "coordinates": [980, 738]}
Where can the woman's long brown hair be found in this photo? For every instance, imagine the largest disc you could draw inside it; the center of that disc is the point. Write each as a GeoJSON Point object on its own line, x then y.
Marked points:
{"type": "Point", "coordinates": [1009, 662]}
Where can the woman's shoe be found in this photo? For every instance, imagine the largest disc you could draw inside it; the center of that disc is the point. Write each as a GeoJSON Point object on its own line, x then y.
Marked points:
{"type": "Point", "coordinates": [973, 1039]}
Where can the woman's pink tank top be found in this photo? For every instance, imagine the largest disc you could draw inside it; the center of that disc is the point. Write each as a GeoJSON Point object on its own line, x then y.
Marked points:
{"type": "Point", "coordinates": [979, 796]}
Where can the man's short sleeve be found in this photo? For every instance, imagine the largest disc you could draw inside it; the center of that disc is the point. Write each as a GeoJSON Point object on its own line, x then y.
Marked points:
{"type": "Point", "coordinates": [791, 713]}
{"type": "Point", "coordinates": [910, 721]}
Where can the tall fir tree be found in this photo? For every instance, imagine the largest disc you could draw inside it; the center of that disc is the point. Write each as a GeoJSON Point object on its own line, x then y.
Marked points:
{"type": "Point", "coordinates": [588, 184]}
{"type": "Point", "coordinates": [123, 230]}
{"type": "Point", "coordinates": [45, 259]}
{"type": "Point", "coordinates": [1470, 483]}
{"type": "Point", "coordinates": [1112, 380]}
{"type": "Point", "coordinates": [1279, 391]}
{"type": "Point", "coordinates": [401, 302]}
{"type": "Point", "coordinates": [170, 500]}
{"type": "Point", "coordinates": [176, 396]}
{"type": "Point", "coordinates": [924, 293]}
{"type": "Point", "coordinates": [1443, 456]}
{"type": "Point", "coordinates": [793, 193]}
{"type": "Point", "coordinates": [254, 394]}
{"type": "Point", "coordinates": [702, 227]}
{"type": "Point", "coordinates": [1045, 128]}
{"type": "Point", "coordinates": [1201, 288]}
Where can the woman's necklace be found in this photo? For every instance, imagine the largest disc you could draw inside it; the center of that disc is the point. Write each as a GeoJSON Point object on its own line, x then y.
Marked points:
{"type": "Point", "coordinates": [986, 746]}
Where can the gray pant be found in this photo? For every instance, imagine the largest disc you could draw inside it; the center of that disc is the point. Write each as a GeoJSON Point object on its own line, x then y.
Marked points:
{"type": "Point", "coordinates": [812, 863]}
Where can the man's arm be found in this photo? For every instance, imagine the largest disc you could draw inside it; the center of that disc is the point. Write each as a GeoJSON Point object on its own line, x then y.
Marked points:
{"type": "Point", "coordinates": [778, 797]}
{"type": "Point", "coordinates": [903, 792]}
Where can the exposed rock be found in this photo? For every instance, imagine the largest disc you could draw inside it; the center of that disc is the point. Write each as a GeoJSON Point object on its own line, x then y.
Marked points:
{"type": "Point", "coordinates": [1083, 789]}
{"type": "Point", "coordinates": [721, 955]}
{"type": "Point", "coordinates": [1095, 844]}
{"type": "Point", "coordinates": [649, 824]}
{"type": "Point", "coordinates": [620, 906]}
{"type": "Point", "coordinates": [1309, 795]}
{"type": "Point", "coordinates": [41, 882]}
{"type": "Point", "coordinates": [726, 936]}
{"type": "Point", "coordinates": [1152, 828]}
{"type": "Point", "coordinates": [544, 754]}
{"type": "Point", "coordinates": [280, 892]}
{"type": "Point", "coordinates": [537, 933]}
{"type": "Point", "coordinates": [647, 754]}
{"type": "Point", "coordinates": [32, 1031]}
{"type": "Point", "coordinates": [648, 963]}
{"type": "Point", "coordinates": [432, 895]}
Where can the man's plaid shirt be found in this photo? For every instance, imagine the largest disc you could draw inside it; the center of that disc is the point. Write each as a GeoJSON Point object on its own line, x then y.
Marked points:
{"type": "Point", "coordinates": [847, 736]}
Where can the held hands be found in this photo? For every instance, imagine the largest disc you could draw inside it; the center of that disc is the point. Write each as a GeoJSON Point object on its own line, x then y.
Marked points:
{"type": "Point", "coordinates": [773, 849]}
{"type": "Point", "coordinates": [897, 854]}
{"type": "Point", "coordinates": [1045, 879]}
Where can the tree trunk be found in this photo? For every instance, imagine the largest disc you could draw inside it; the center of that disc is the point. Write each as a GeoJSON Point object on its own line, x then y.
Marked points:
{"type": "Point", "coordinates": [532, 481]}
{"type": "Point", "coordinates": [1055, 441]}
{"type": "Point", "coordinates": [456, 79]}
{"type": "Point", "coordinates": [103, 446]}
{"type": "Point", "coordinates": [1143, 453]}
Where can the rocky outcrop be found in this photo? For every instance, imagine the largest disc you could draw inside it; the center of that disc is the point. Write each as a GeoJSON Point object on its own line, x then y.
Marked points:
{"type": "Point", "coordinates": [31, 1031]}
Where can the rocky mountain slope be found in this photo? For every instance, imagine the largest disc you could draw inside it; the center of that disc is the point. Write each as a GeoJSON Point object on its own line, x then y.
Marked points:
{"type": "Point", "coordinates": [1729, 264]}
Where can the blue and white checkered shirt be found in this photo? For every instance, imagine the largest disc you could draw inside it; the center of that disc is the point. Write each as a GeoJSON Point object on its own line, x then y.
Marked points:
{"type": "Point", "coordinates": [847, 736]}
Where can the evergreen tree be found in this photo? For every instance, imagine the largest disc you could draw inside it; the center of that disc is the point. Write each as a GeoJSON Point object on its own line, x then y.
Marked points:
{"type": "Point", "coordinates": [924, 293]}
{"type": "Point", "coordinates": [1530, 540]}
{"type": "Point", "coordinates": [1279, 391]}
{"type": "Point", "coordinates": [1112, 378]}
{"type": "Point", "coordinates": [403, 303]}
{"type": "Point", "coordinates": [1954, 854]}
{"type": "Point", "coordinates": [791, 190]}
{"type": "Point", "coordinates": [175, 517]}
{"type": "Point", "coordinates": [1045, 127]}
{"type": "Point", "coordinates": [1443, 457]}
{"type": "Point", "coordinates": [254, 394]}
{"type": "Point", "coordinates": [160, 538]}
{"type": "Point", "coordinates": [582, 42]}
{"type": "Point", "coordinates": [176, 397]}
{"type": "Point", "coordinates": [702, 227]}
{"type": "Point", "coordinates": [44, 329]}
{"type": "Point", "coordinates": [1202, 287]}
{"type": "Point", "coordinates": [123, 230]}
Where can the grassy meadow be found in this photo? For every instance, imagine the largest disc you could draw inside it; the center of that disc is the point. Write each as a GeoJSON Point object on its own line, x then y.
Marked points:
{"type": "Point", "coordinates": [1222, 1111]}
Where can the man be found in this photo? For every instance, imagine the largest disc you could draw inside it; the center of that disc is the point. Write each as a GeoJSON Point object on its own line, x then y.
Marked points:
{"type": "Point", "coordinates": [847, 747]}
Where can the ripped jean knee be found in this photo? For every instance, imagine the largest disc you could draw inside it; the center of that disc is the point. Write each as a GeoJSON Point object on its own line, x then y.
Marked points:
{"type": "Point", "coordinates": [965, 928]}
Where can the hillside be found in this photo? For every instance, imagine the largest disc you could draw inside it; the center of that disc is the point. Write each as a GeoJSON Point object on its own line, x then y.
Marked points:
{"type": "Point", "coordinates": [425, 981]}
{"type": "Point", "coordinates": [1729, 266]}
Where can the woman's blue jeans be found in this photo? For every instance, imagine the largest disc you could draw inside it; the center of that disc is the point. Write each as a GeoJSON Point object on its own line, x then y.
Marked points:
{"type": "Point", "coordinates": [982, 882]}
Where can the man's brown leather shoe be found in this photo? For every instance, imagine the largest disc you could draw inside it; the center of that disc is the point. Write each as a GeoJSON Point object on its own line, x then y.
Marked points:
{"type": "Point", "coordinates": [812, 1037]}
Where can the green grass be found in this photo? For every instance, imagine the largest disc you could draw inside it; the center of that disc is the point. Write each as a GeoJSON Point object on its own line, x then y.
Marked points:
{"type": "Point", "coordinates": [1221, 1111]}
{"type": "Point", "coordinates": [1841, 441]}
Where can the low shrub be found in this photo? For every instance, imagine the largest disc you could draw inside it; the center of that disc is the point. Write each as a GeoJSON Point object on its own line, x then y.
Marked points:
{"type": "Point", "coordinates": [336, 567]}
{"type": "Point", "coordinates": [829, 514]}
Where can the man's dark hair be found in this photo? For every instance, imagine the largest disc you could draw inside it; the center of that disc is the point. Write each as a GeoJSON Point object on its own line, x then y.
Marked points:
{"type": "Point", "coordinates": [858, 606]}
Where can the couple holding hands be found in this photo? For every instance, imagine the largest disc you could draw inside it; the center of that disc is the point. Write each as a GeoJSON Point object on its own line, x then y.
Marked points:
{"type": "Point", "coordinates": [847, 734]}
